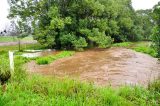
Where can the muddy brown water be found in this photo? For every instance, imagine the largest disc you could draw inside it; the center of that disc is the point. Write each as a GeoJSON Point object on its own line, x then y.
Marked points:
{"type": "Point", "coordinates": [114, 66]}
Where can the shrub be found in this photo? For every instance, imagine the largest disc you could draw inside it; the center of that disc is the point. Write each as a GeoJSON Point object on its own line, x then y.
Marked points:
{"type": "Point", "coordinates": [79, 44]}
{"type": "Point", "coordinates": [67, 40]}
{"type": "Point", "coordinates": [100, 38]}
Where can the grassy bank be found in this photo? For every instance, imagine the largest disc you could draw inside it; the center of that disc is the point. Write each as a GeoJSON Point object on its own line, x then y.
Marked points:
{"type": "Point", "coordinates": [39, 60]}
{"type": "Point", "coordinates": [144, 47]}
{"type": "Point", "coordinates": [36, 90]}
{"type": "Point", "coordinates": [44, 91]}
{"type": "Point", "coordinates": [23, 47]}
{"type": "Point", "coordinates": [14, 39]}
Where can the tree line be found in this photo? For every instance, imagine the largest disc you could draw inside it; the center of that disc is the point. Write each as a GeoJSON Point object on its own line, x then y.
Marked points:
{"type": "Point", "coordinates": [78, 24]}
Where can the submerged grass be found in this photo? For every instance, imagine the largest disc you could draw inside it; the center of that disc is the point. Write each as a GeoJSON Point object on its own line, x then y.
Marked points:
{"type": "Point", "coordinates": [49, 59]}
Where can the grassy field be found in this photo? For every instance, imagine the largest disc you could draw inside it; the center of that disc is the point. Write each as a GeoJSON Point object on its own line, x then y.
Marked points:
{"type": "Point", "coordinates": [14, 39]}
{"type": "Point", "coordinates": [7, 39]}
{"type": "Point", "coordinates": [36, 90]}
{"type": "Point", "coordinates": [23, 47]}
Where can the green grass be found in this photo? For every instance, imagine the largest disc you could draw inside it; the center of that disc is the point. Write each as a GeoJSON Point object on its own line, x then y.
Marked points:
{"type": "Point", "coordinates": [49, 59]}
{"type": "Point", "coordinates": [45, 91]}
{"type": "Point", "coordinates": [146, 50]}
{"type": "Point", "coordinates": [36, 90]}
{"type": "Point", "coordinates": [144, 47]}
{"type": "Point", "coordinates": [7, 39]}
{"type": "Point", "coordinates": [14, 39]}
{"type": "Point", "coordinates": [123, 44]}
{"type": "Point", "coordinates": [28, 38]}
{"type": "Point", "coordinates": [23, 47]}
{"type": "Point", "coordinates": [4, 69]}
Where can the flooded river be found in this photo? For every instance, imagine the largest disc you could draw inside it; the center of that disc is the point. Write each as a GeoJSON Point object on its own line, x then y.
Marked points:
{"type": "Point", "coordinates": [114, 66]}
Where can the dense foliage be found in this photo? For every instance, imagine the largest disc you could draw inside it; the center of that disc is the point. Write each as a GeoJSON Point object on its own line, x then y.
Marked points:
{"type": "Point", "coordinates": [80, 23]}
{"type": "Point", "coordinates": [145, 23]}
{"type": "Point", "coordinates": [156, 30]}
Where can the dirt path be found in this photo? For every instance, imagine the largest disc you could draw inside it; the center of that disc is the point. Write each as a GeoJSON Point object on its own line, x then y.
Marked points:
{"type": "Point", "coordinates": [115, 66]}
{"type": "Point", "coordinates": [15, 43]}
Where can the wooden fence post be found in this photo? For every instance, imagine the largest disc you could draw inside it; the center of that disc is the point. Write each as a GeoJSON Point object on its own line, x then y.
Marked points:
{"type": "Point", "coordinates": [11, 60]}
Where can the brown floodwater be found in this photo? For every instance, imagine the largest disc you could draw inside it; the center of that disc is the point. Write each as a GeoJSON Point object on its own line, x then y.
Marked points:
{"type": "Point", "coordinates": [114, 66]}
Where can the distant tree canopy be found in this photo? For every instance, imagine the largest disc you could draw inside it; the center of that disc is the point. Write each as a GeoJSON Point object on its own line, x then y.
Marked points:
{"type": "Point", "coordinates": [81, 23]}
{"type": "Point", "coordinates": [156, 30]}
{"type": "Point", "coordinates": [145, 23]}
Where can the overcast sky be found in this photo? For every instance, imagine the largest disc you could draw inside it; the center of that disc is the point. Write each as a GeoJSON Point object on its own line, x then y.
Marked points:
{"type": "Point", "coordinates": [137, 4]}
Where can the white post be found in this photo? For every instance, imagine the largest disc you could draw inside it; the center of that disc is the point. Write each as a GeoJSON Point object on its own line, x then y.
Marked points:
{"type": "Point", "coordinates": [11, 60]}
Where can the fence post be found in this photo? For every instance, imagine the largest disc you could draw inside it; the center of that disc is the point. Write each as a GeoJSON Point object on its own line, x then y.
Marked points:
{"type": "Point", "coordinates": [11, 60]}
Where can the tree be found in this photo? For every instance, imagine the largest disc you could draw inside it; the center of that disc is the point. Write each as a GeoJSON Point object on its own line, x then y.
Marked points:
{"type": "Point", "coordinates": [65, 23]}
{"type": "Point", "coordinates": [156, 30]}
{"type": "Point", "coordinates": [145, 22]}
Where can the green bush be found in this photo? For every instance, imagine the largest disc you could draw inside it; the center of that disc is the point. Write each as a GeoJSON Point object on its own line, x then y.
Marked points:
{"type": "Point", "coordinates": [67, 40]}
{"type": "Point", "coordinates": [79, 44]}
{"type": "Point", "coordinates": [100, 38]}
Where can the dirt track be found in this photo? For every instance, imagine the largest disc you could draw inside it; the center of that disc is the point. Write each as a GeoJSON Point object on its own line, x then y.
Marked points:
{"type": "Point", "coordinates": [115, 66]}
